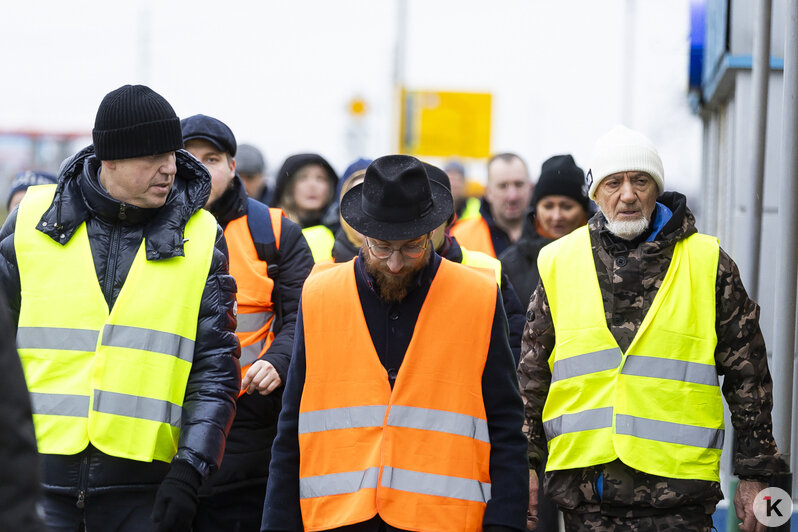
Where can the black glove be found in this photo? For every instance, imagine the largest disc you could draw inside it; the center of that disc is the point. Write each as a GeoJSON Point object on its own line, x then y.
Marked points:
{"type": "Point", "coordinates": [176, 500]}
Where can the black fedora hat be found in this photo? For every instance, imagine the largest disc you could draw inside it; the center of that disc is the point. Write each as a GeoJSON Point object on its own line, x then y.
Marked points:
{"type": "Point", "coordinates": [396, 200]}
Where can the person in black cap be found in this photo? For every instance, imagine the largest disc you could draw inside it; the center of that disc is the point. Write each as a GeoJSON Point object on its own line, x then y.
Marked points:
{"type": "Point", "coordinates": [269, 260]}
{"type": "Point", "coordinates": [128, 346]}
{"type": "Point", "coordinates": [21, 182]}
{"type": "Point", "coordinates": [559, 205]}
{"type": "Point", "coordinates": [401, 410]}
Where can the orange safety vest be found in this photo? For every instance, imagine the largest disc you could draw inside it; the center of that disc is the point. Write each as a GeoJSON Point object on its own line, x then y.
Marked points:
{"type": "Point", "coordinates": [474, 234]}
{"type": "Point", "coordinates": [417, 455]}
{"type": "Point", "coordinates": [254, 297]}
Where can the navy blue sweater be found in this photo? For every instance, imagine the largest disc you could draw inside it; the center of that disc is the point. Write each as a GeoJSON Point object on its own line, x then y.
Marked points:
{"type": "Point", "coordinates": [391, 327]}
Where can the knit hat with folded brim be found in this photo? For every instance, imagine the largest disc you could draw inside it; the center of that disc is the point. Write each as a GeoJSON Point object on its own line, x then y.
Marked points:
{"type": "Point", "coordinates": [624, 150]}
{"type": "Point", "coordinates": [135, 121]}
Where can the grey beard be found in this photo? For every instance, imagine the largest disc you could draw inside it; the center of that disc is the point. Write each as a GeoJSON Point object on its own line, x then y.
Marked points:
{"type": "Point", "coordinates": [627, 230]}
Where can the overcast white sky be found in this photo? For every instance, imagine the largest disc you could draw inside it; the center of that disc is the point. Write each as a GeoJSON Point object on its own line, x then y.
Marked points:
{"type": "Point", "coordinates": [281, 74]}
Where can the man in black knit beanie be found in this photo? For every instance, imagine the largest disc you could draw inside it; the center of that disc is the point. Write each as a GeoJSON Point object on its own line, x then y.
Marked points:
{"type": "Point", "coordinates": [128, 346]}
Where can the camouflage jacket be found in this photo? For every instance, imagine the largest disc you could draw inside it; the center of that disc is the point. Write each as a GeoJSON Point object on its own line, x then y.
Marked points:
{"type": "Point", "coordinates": [629, 275]}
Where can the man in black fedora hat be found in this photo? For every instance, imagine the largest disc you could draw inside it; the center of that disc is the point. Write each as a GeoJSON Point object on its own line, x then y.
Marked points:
{"type": "Point", "coordinates": [401, 409]}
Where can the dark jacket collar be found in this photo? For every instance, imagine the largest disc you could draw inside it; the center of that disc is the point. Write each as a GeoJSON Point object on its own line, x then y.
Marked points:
{"type": "Point", "coordinates": [101, 205]}
{"type": "Point", "coordinates": [450, 249]}
{"type": "Point", "coordinates": [232, 204]}
{"type": "Point", "coordinates": [79, 196]}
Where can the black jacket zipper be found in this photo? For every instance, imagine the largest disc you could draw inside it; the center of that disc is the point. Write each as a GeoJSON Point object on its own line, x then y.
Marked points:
{"type": "Point", "coordinates": [111, 262]}
{"type": "Point", "coordinates": [84, 479]}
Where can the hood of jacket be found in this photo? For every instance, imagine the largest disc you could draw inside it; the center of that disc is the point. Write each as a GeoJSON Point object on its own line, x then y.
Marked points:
{"type": "Point", "coordinates": [292, 165]}
{"type": "Point", "coordinates": [79, 195]}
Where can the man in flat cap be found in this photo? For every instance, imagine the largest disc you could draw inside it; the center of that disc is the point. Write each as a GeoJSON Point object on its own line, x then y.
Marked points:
{"type": "Point", "coordinates": [269, 260]}
{"type": "Point", "coordinates": [117, 281]}
{"type": "Point", "coordinates": [401, 409]}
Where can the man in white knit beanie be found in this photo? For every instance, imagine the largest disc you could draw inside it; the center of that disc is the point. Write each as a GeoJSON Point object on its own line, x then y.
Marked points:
{"type": "Point", "coordinates": [622, 155]}
{"type": "Point", "coordinates": [635, 317]}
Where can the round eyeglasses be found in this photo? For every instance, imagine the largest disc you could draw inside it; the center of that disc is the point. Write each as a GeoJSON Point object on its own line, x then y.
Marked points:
{"type": "Point", "coordinates": [411, 250]}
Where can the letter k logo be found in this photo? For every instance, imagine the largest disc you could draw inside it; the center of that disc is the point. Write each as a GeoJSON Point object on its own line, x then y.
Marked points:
{"type": "Point", "coordinates": [772, 506]}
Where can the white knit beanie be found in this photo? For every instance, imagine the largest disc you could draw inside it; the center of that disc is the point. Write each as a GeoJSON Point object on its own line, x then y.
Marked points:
{"type": "Point", "coordinates": [623, 150]}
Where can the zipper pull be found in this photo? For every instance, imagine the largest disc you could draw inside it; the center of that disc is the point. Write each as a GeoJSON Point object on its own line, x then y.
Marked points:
{"type": "Point", "coordinates": [122, 213]}
{"type": "Point", "coordinates": [81, 499]}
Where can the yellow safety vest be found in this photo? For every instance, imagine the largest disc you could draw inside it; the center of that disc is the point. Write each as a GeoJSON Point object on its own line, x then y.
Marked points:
{"type": "Point", "coordinates": [320, 240]}
{"type": "Point", "coordinates": [472, 209]}
{"type": "Point", "coordinates": [478, 259]}
{"type": "Point", "coordinates": [657, 406]}
{"type": "Point", "coordinates": [116, 380]}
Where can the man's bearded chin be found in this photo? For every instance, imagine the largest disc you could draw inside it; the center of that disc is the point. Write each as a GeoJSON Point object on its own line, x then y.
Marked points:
{"type": "Point", "coordinates": [629, 229]}
{"type": "Point", "coordinates": [393, 288]}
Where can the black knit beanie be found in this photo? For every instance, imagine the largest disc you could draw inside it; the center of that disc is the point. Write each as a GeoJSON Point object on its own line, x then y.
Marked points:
{"type": "Point", "coordinates": [135, 121]}
{"type": "Point", "coordinates": [560, 176]}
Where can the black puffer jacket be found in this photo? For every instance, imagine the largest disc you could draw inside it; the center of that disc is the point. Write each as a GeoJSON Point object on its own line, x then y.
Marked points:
{"type": "Point", "coordinates": [19, 462]}
{"type": "Point", "coordinates": [115, 232]}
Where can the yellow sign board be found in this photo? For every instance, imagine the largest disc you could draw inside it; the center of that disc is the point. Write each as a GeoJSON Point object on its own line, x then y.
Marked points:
{"type": "Point", "coordinates": [445, 124]}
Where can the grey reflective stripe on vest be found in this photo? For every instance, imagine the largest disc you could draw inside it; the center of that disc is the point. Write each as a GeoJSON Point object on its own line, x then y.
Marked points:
{"type": "Point", "coordinates": [597, 418]}
{"type": "Point", "coordinates": [586, 363]}
{"type": "Point", "coordinates": [338, 483]}
{"type": "Point", "coordinates": [57, 338]}
{"type": "Point", "coordinates": [439, 420]}
{"type": "Point", "coordinates": [250, 353]}
{"type": "Point", "coordinates": [665, 368]}
{"type": "Point", "coordinates": [254, 322]}
{"type": "Point", "coordinates": [351, 417]}
{"type": "Point", "coordinates": [148, 340]}
{"type": "Point", "coordinates": [440, 485]}
{"type": "Point", "coordinates": [59, 404]}
{"type": "Point", "coordinates": [122, 404]}
{"type": "Point", "coordinates": [665, 431]}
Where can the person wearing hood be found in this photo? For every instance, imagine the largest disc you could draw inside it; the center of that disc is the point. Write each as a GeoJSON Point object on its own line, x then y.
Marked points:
{"type": "Point", "coordinates": [128, 344]}
{"type": "Point", "coordinates": [348, 241]}
{"type": "Point", "coordinates": [559, 205]}
{"type": "Point", "coordinates": [362, 443]}
{"type": "Point", "coordinates": [269, 285]}
{"type": "Point", "coordinates": [305, 188]}
{"type": "Point", "coordinates": [635, 318]}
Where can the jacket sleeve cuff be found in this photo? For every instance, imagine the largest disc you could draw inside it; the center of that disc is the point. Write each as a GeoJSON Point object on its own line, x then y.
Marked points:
{"type": "Point", "coordinates": [759, 467]}
{"type": "Point", "coordinates": [280, 363]}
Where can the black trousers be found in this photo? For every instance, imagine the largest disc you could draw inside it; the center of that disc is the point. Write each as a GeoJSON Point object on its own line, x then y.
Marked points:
{"type": "Point", "coordinates": [239, 510]}
{"type": "Point", "coordinates": [121, 511]}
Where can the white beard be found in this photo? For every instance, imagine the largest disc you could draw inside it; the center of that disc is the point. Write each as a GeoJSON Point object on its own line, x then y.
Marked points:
{"type": "Point", "coordinates": [627, 230]}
